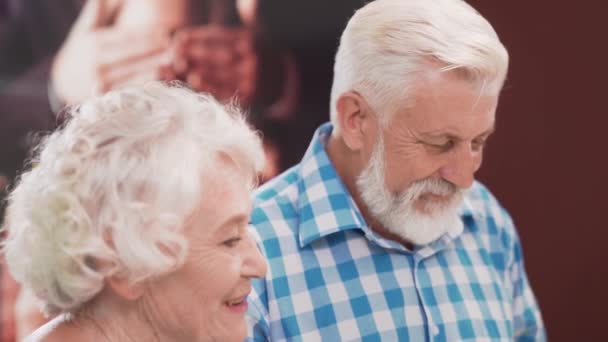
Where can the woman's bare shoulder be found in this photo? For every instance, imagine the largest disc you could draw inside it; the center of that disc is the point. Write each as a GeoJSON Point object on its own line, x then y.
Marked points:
{"type": "Point", "coordinates": [58, 329]}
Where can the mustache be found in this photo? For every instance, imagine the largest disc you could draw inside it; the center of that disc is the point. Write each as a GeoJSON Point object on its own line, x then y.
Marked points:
{"type": "Point", "coordinates": [434, 186]}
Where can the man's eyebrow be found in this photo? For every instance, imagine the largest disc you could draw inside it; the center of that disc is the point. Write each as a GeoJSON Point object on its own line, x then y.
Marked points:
{"type": "Point", "coordinates": [452, 136]}
{"type": "Point", "coordinates": [488, 131]}
{"type": "Point", "coordinates": [439, 134]}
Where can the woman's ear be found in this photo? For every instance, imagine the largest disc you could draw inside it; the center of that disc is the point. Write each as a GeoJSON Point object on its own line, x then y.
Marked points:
{"type": "Point", "coordinates": [123, 288]}
{"type": "Point", "coordinates": [354, 117]}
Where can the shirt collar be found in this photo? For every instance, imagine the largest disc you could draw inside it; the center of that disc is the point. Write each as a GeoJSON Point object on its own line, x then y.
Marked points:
{"type": "Point", "coordinates": [326, 206]}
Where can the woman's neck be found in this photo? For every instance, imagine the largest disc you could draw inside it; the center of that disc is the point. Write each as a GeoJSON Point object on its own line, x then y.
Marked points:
{"type": "Point", "coordinates": [105, 320]}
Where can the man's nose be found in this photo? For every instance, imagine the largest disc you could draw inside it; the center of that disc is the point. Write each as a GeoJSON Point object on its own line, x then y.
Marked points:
{"type": "Point", "coordinates": [461, 166]}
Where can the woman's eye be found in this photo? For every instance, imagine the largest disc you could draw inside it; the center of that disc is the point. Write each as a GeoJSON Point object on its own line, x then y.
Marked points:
{"type": "Point", "coordinates": [232, 242]}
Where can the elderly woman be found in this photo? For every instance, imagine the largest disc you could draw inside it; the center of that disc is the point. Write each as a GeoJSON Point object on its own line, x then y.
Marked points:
{"type": "Point", "coordinates": [131, 224]}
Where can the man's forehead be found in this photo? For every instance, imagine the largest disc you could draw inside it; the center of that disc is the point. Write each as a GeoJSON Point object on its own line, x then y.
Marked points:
{"type": "Point", "coordinates": [458, 112]}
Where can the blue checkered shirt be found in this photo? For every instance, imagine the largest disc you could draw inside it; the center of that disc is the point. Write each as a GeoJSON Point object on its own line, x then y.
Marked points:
{"type": "Point", "coordinates": [331, 278]}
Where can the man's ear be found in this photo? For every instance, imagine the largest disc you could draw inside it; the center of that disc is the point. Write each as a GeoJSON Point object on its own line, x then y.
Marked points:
{"type": "Point", "coordinates": [123, 288]}
{"type": "Point", "coordinates": [354, 117]}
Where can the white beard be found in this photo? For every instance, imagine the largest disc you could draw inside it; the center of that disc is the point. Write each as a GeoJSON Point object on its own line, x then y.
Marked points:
{"type": "Point", "coordinates": [397, 213]}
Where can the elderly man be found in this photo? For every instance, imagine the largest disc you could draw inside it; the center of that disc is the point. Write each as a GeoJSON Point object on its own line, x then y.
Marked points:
{"type": "Point", "coordinates": [381, 232]}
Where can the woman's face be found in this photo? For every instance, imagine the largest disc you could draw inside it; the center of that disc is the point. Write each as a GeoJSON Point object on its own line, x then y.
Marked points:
{"type": "Point", "coordinates": [206, 298]}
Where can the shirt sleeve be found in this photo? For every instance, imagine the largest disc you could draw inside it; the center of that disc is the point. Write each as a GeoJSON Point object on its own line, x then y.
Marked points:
{"type": "Point", "coordinates": [527, 320]}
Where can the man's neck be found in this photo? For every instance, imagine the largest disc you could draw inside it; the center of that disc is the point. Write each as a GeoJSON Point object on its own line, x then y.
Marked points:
{"type": "Point", "coordinates": [346, 164]}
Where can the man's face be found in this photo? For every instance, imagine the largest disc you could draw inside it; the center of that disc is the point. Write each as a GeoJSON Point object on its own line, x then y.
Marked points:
{"type": "Point", "coordinates": [426, 156]}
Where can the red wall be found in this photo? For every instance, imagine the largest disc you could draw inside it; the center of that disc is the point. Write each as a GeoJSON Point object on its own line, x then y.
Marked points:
{"type": "Point", "coordinates": [545, 163]}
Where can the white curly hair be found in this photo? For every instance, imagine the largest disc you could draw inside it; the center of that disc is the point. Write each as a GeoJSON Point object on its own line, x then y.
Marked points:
{"type": "Point", "coordinates": [109, 192]}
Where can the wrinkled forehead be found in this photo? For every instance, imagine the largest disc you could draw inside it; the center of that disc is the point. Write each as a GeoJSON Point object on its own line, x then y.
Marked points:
{"type": "Point", "coordinates": [225, 192]}
{"type": "Point", "coordinates": [477, 81]}
{"type": "Point", "coordinates": [444, 102]}
{"type": "Point", "coordinates": [437, 87]}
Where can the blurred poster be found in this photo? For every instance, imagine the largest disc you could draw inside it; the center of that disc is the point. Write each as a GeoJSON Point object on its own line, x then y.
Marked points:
{"type": "Point", "coordinates": [274, 57]}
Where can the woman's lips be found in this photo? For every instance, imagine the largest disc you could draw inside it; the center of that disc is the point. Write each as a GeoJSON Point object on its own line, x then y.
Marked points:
{"type": "Point", "coordinates": [238, 305]}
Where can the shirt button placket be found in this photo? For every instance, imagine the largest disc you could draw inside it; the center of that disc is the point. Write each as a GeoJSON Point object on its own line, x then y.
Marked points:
{"type": "Point", "coordinates": [433, 329]}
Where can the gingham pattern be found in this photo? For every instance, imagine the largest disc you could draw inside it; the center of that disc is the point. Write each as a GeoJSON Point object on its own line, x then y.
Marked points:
{"type": "Point", "coordinates": [330, 278]}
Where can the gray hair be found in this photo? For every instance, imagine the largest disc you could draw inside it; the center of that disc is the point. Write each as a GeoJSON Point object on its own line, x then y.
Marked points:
{"type": "Point", "coordinates": [387, 44]}
{"type": "Point", "coordinates": [109, 193]}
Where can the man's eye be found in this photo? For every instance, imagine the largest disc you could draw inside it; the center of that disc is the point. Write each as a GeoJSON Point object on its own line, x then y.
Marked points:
{"type": "Point", "coordinates": [477, 145]}
{"type": "Point", "coordinates": [230, 243]}
{"type": "Point", "coordinates": [444, 147]}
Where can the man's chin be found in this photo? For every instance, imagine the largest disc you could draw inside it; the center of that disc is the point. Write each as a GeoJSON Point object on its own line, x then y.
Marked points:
{"type": "Point", "coordinates": [430, 209]}
{"type": "Point", "coordinates": [422, 227]}
{"type": "Point", "coordinates": [435, 205]}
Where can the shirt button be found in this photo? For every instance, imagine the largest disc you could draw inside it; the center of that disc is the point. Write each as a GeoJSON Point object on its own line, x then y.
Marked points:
{"type": "Point", "coordinates": [435, 330]}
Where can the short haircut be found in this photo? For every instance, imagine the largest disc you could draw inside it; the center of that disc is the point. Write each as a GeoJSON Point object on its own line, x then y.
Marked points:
{"type": "Point", "coordinates": [387, 44]}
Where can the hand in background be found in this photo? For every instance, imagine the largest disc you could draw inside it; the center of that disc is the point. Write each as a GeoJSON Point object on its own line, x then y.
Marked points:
{"type": "Point", "coordinates": [215, 59]}
{"type": "Point", "coordinates": [97, 57]}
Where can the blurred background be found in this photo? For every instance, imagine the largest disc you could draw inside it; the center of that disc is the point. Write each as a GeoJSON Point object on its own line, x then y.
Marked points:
{"type": "Point", "coordinates": [545, 162]}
